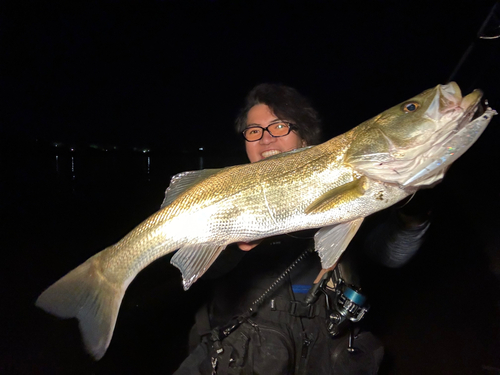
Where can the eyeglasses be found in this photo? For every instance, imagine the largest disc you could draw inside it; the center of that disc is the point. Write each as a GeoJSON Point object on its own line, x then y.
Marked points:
{"type": "Point", "coordinates": [277, 129]}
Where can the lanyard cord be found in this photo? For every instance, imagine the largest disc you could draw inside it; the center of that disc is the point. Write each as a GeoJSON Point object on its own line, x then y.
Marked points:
{"type": "Point", "coordinates": [277, 282]}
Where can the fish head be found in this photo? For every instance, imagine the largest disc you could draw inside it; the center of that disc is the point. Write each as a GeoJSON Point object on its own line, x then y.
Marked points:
{"type": "Point", "coordinates": [416, 121]}
{"type": "Point", "coordinates": [420, 137]}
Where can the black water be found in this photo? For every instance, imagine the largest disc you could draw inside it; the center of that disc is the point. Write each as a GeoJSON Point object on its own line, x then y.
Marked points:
{"type": "Point", "coordinates": [437, 315]}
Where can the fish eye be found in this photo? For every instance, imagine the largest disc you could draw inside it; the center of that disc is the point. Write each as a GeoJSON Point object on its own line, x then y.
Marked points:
{"type": "Point", "coordinates": [410, 107]}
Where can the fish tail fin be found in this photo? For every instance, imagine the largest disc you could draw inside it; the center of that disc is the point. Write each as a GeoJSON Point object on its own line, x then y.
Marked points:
{"type": "Point", "coordinates": [85, 293]}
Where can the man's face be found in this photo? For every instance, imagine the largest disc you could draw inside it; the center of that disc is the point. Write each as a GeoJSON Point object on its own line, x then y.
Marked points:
{"type": "Point", "coordinates": [261, 115]}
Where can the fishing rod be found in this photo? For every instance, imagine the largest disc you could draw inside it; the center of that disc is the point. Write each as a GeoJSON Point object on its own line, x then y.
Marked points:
{"type": "Point", "coordinates": [489, 30]}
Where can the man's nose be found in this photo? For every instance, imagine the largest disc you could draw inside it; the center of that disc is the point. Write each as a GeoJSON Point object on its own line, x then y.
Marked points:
{"type": "Point", "coordinates": [267, 138]}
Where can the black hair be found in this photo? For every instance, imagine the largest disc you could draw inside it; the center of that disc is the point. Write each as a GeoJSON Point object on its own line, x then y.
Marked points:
{"type": "Point", "coordinates": [287, 104]}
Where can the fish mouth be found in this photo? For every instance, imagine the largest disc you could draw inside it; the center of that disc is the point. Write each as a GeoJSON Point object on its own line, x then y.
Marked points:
{"type": "Point", "coordinates": [450, 107]}
{"type": "Point", "coordinates": [472, 104]}
{"type": "Point", "coordinates": [449, 100]}
{"type": "Point", "coordinates": [481, 108]}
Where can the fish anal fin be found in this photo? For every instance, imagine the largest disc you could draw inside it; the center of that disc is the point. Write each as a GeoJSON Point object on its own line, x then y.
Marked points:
{"type": "Point", "coordinates": [84, 293]}
{"type": "Point", "coordinates": [340, 195]}
{"type": "Point", "coordinates": [194, 260]}
{"type": "Point", "coordinates": [183, 181]}
{"type": "Point", "coordinates": [330, 242]}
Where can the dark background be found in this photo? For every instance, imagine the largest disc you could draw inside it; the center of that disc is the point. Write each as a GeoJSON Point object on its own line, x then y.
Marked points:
{"type": "Point", "coordinates": [86, 89]}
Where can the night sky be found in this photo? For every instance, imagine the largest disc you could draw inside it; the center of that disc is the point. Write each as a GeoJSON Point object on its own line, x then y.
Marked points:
{"type": "Point", "coordinates": [172, 75]}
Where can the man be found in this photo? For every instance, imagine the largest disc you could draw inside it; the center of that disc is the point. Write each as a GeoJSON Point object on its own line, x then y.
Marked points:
{"type": "Point", "coordinates": [288, 333]}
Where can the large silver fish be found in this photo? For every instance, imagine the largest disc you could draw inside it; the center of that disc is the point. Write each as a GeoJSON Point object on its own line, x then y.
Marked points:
{"type": "Point", "coordinates": [332, 186]}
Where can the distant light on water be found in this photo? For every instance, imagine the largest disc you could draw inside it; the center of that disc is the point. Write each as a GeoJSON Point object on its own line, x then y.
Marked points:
{"type": "Point", "coordinates": [202, 164]}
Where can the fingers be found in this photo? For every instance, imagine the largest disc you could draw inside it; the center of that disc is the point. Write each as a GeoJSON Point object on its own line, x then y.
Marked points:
{"type": "Point", "coordinates": [247, 246]}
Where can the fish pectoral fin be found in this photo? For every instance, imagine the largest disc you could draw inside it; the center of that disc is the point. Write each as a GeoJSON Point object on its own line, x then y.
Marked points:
{"type": "Point", "coordinates": [183, 181]}
{"type": "Point", "coordinates": [330, 242]}
{"type": "Point", "coordinates": [340, 195]}
{"type": "Point", "coordinates": [194, 260]}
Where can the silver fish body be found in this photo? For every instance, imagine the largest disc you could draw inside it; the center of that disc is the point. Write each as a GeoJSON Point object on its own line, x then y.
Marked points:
{"type": "Point", "coordinates": [332, 186]}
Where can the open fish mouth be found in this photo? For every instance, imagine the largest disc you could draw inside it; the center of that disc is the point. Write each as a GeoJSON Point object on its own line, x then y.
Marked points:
{"type": "Point", "coordinates": [473, 107]}
{"type": "Point", "coordinates": [449, 106]}
{"type": "Point", "coordinates": [471, 112]}
{"type": "Point", "coordinates": [481, 108]}
{"type": "Point", "coordinates": [453, 111]}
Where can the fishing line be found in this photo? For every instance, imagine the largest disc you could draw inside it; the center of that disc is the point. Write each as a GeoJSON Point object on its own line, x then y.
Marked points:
{"type": "Point", "coordinates": [492, 17]}
{"type": "Point", "coordinates": [408, 201]}
{"type": "Point", "coordinates": [300, 238]}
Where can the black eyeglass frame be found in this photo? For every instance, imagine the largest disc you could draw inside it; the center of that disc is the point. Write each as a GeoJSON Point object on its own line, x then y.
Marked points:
{"type": "Point", "coordinates": [290, 128]}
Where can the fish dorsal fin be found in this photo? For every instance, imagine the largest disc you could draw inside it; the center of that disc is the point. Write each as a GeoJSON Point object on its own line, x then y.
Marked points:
{"type": "Point", "coordinates": [194, 260]}
{"type": "Point", "coordinates": [183, 181]}
{"type": "Point", "coordinates": [340, 195]}
{"type": "Point", "coordinates": [330, 242]}
{"type": "Point", "coordinates": [283, 154]}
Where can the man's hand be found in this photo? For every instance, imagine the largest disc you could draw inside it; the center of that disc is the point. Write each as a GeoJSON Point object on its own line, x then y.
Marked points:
{"type": "Point", "coordinates": [322, 272]}
{"type": "Point", "coordinates": [247, 246]}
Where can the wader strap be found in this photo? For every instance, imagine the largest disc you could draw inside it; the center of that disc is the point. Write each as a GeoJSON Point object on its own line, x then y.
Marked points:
{"type": "Point", "coordinates": [295, 308]}
{"type": "Point", "coordinates": [219, 333]}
